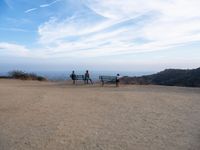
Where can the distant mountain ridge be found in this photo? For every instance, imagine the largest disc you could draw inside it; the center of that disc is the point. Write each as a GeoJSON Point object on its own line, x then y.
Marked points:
{"type": "Point", "coordinates": [170, 77]}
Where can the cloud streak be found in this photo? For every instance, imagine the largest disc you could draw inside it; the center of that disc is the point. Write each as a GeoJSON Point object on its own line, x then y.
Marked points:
{"type": "Point", "coordinates": [129, 27]}
{"type": "Point", "coordinates": [109, 28]}
{"type": "Point", "coordinates": [49, 4]}
{"type": "Point", "coordinates": [31, 10]}
{"type": "Point", "coordinates": [42, 6]}
{"type": "Point", "coordinates": [9, 3]}
{"type": "Point", "coordinates": [13, 49]}
{"type": "Point", "coordinates": [14, 29]}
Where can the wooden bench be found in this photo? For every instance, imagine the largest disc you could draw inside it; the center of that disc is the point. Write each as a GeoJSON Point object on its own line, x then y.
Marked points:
{"type": "Point", "coordinates": [107, 79]}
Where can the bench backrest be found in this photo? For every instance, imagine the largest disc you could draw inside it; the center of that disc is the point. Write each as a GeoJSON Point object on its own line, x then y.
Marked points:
{"type": "Point", "coordinates": [80, 77]}
{"type": "Point", "coordinates": [107, 78]}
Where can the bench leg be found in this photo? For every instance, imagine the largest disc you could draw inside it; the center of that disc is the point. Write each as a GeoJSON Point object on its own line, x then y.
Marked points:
{"type": "Point", "coordinates": [117, 84]}
{"type": "Point", "coordinates": [85, 81]}
{"type": "Point", "coordinates": [91, 81]}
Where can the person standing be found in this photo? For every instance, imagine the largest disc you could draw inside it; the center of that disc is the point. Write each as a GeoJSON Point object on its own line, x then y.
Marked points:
{"type": "Point", "coordinates": [87, 77]}
{"type": "Point", "coordinates": [117, 80]}
{"type": "Point", "coordinates": [73, 77]}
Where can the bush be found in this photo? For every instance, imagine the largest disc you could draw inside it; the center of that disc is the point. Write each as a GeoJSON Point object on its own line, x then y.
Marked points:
{"type": "Point", "coordinates": [25, 76]}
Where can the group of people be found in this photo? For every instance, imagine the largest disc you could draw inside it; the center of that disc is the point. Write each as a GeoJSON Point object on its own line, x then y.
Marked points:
{"type": "Point", "coordinates": [86, 77]}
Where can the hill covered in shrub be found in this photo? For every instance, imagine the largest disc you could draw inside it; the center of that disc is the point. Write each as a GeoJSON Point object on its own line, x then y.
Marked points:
{"type": "Point", "coordinates": [25, 76]}
{"type": "Point", "coordinates": [170, 77]}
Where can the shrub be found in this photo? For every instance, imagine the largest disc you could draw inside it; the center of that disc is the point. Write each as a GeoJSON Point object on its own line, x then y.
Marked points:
{"type": "Point", "coordinates": [25, 76]}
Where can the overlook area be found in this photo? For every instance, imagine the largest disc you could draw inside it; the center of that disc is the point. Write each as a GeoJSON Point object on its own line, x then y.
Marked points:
{"type": "Point", "coordinates": [49, 115]}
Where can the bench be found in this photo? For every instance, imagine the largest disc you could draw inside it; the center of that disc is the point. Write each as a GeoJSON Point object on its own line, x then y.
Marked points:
{"type": "Point", "coordinates": [107, 79]}
{"type": "Point", "coordinates": [78, 77]}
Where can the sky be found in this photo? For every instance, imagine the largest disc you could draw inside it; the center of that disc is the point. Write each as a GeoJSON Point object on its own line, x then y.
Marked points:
{"type": "Point", "coordinates": [125, 35]}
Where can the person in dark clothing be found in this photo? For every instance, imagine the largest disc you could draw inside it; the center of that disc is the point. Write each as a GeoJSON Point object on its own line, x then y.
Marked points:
{"type": "Point", "coordinates": [87, 77]}
{"type": "Point", "coordinates": [73, 77]}
{"type": "Point", "coordinates": [117, 80]}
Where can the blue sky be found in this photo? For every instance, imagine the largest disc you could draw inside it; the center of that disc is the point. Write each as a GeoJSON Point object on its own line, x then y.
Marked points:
{"type": "Point", "coordinates": [127, 35]}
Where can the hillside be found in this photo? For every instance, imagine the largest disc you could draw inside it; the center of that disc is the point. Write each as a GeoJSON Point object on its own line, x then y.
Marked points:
{"type": "Point", "coordinates": [170, 77]}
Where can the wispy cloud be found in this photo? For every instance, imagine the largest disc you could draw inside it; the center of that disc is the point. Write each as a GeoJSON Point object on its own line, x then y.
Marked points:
{"type": "Point", "coordinates": [9, 3]}
{"type": "Point", "coordinates": [31, 10]}
{"type": "Point", "coordinates": [49, 4]}
{"type": "Point", "coordinates": [130, 27]}
{"type": "Point", "coordinates": [107, 28]}
{"type": "Point", "coordinates": [42, 6]}
{"type": "Point", "coordinates": [13, 49]}
{"type": "Point", "coordinates": [14, 29]}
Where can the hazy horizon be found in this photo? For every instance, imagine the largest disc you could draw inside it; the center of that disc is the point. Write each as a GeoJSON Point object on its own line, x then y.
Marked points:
{"type": "Point", "coordinates": [129, 35]}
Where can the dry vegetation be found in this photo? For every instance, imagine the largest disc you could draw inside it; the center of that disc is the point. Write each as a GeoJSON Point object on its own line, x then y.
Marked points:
{"type": "Point", "coordinates": [25, 76]}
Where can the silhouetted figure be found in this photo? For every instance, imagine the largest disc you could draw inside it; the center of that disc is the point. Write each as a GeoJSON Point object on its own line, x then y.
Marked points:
{"type": "Point", "coordinates": [87, 77]}
{"type": "Point", "coordinates": [73, 77]}
{"type": "Point", "coordinates": [117, 80]}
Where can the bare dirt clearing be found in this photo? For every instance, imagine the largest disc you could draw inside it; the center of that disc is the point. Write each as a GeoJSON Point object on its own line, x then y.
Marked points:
{"type": "Point", "coordinates": [58, 116]}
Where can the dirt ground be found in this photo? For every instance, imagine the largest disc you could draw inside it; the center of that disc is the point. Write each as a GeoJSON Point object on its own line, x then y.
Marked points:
{"type": "Point", "coordinates": [59, 116]}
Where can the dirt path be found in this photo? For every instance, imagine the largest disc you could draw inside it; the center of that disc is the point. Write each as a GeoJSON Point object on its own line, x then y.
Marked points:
{"type": "Point", "coordinates": [52, 116]}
